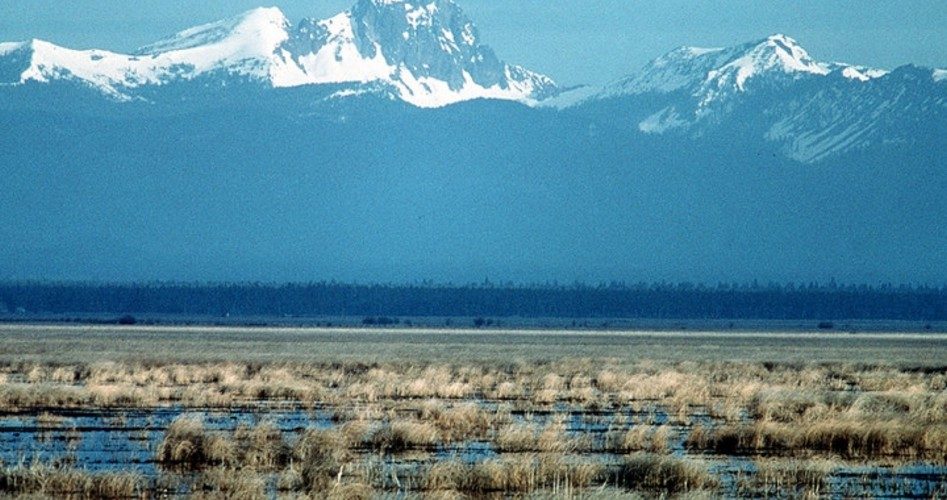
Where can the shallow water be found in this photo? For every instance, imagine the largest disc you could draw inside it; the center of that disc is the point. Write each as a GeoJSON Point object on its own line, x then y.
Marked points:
{"type": "Point", "coordinates": [126, 440]}
{"type": "Point", "coordinates": [112, 440]}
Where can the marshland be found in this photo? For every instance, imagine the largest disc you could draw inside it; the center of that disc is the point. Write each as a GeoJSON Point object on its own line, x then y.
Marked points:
{"type": "Point", "coordinates": [122, 412]}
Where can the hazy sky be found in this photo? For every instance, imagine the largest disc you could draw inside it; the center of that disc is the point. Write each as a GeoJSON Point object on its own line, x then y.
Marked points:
{"type": "Point", "coordinates": [574, 41]}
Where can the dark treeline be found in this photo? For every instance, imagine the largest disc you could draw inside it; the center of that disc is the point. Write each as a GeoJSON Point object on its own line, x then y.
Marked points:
{"type": "Point", "coordinates": [615, 300]}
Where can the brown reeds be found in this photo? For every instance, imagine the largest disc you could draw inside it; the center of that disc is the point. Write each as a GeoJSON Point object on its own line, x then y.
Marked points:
{"type": "Point", "coordinates": [521, 473]}
{"type": "Point", "coordinates": [535, 422]}
{"type": "Point", "coordinates": [189, 445]}
{"type": "Point", "coordinates": [846, 438]}
{"type": "Point", "coordinates": [789, 477]}
{"type": "Point", "coordinates": [651, 472]}
{"type": "Point", "coordinates": [319, 460]}
{"type": "Point", "coordinates": [39, 479]}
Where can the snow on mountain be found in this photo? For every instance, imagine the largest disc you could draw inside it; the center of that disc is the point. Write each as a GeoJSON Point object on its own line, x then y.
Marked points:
{"type": "Point", "coordinates": [714, 73]}
{"type": "Point", "coordinates": [246, 46]}
{"type": "Point", "coordinates": [679, 69]}
{"type": "Point", "coordinates": [430, 55]}
{"type": "Point", "coordinates": [249, 45]}
{"type": "Point", "coordinates": [860, 73]}
{"type": "Point", "coordinates": [812, 109]}
{"type": "Point", "coordinates": [777, 56]}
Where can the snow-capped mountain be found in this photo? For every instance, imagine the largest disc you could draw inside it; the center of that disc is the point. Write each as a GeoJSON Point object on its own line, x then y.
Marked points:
{"type": "Point", "coordinates": [431, 53]}
{"type": "Point", "coordinates": [428, 55]}
{"type": "Point", "coordinates": [255, 148]}
{"type": "Point", "coordinates": [813, 109]}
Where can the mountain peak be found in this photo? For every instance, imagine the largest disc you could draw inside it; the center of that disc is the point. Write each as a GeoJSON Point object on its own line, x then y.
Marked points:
{"type": "Point", "coordinates": [431, 40]}
{"type": "Point", "coordinates": [700, 70]}
{"type": "Point", "coordinates": [262, 26]}
{"type": "Point", "coordinates": [778, 53]}
{"type": "Point", "coordinates": [791, 56]}
{"type": "Point", "coordinates": [428, 51]}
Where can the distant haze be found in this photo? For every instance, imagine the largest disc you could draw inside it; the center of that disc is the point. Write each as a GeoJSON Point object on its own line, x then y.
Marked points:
{"type": "Point", "coordinates": [574, 41]}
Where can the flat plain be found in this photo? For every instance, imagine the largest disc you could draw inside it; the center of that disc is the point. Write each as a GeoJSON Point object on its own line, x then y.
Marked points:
{"type": "Point", "coordinates": [65, 344]}
{"type": "Point", "coordinates": [116, 411]}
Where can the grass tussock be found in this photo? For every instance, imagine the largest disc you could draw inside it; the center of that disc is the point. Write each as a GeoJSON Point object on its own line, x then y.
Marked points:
{"type": "Point", "coordinates": [846, 438]}
{"type": "Point", "coordinates": [551, 438]}
{"type": "Point", "coordinates": [662, 473]}
{"type": "Point", "coordinates": [231, 483]}
{"type": "Point", "coordinates": [522, 473]}
{"type": "Point", "coordinates": [262, 447]}
{"type": "Point", "coordinates": [188, 444]}
{"type": "Point", "coordinates": [460, 422]}
{"type": "Point", "coordinates": [319, 459]}
{"type": "Point", "coordinates": [639, 438]}
{"type": "Point", "coordinates": [789, 477]}
{"type": "Point", "coordinates": [402, 435]}
{"type": "Point", "coordinates": [39, 479]}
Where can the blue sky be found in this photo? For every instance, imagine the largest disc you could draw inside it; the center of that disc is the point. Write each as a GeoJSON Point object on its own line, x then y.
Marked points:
{"type": "Point", "coordinates": [574, 41]}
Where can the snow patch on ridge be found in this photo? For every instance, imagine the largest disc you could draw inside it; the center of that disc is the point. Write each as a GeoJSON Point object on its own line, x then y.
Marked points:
{"type": "Point", "coordinates": [662, 121]}
{"type": "Point", "coordinates": [861, 73]}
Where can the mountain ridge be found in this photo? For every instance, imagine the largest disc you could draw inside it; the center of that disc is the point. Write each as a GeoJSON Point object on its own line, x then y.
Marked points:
{"type": "Point", "coordinates": [812, 110]}
{"type": "Point", "coordinates": [384, 42]}
{"type": "Point", "coordinates": [757, 161]}
{"type": "Point", "coordinates": [429, 55]}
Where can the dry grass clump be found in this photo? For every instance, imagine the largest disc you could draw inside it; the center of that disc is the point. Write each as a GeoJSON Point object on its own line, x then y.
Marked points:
{"type": "Point", "coordinates": [662, 473]}
{"type": "Point", "coordinates": [230, 483]}
{"type": "Point", "coordinates": [350, 491]}
{"type": "Point", "coordinates": [847, 438]}
{"type": "Point", "coordinates": [188, 444]}
{"type": "Point", "coordinates": [262, 446]}
{"type": "Point", "coordinates": [466, 421]}
{"type": "Point", "coordinates": [504, 391]}
{"type": "Point", "coordinates": [319, 458]}
{"type": "Point", "coordinates": [121, 395]}
{"type": "Point", "coordinates": [639, 438]}
{"type": "Point", "coordinates": [48, 420]}
{"type": "Point", "coordinates": [436, 381]}
{"type": "Point", "coordinates": [516, 438]}
{"type": "Point", "coordinates": [18, 397]}
{"type": "Point", "coordinates": [785, 405]}
{"type": "Point", "coordinates": [447, 475]}
{"type": "Point", "coordinates": [38, 479]}
{"type": "Point", "coordinates": [522, 437]}
{"type": "Point", "coordinates": [402, 435]}
{"type": "Point", "coordinates": [875, 438]}
{"type": "Point", "coordinates": [792, 477]}
{"type": "Point", "coordinates": [513, 474]}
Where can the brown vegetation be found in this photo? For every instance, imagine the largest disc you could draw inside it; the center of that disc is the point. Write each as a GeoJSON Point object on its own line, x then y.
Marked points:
{"type": "Point", "coordinates": [581, 427]}
{"type": "Point", "coordinates": [789, 477]}
{"type": "Point", "coordinates": [38, 479]}
{"type": "Point", "coordinates": [663, 473]}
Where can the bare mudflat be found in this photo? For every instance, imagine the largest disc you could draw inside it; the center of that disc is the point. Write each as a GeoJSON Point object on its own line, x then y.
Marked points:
{"type": "Point", "coordinates": [356, 413]}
